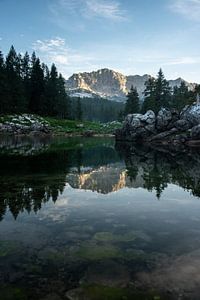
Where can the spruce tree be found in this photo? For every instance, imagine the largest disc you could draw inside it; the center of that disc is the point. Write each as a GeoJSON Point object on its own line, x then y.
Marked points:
{"type": "Point", "coordinates": [162, 92]}
{"type": "Point", "coordinates": [63, 100]}
{"type": "Point", "coordinates": [16, 98]}
{"type": "Point", "coordinates": [180, 96]}
{"type": "Point", "coordinates": [3, 90]}
{"type": "Point", "coordinates": [149, 96]}
{"type": "Point", "coordinates": [79, 112]}
{"type": "Point", "coordinates": [132, 103]}
{"type": "Point", "coordinates": [36, 87]}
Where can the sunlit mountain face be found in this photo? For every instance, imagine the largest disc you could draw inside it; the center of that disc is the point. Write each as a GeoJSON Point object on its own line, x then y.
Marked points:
{"type": "Point", "coordinates": [85, 218]}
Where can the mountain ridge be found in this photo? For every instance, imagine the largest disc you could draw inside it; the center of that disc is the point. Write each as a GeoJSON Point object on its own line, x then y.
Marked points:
{"type": "Point", "coordinates": [110, 84]}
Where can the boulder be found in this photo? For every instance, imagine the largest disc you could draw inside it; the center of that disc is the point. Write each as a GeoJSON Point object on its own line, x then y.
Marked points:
{"type": "Point", "coordinates": [195, 132]}
{"type": "Point", "coordinates": [149, 117]}
{"type": "Point", "coordinates": [182, 125]}
{"type": "Point", "coordinates": [163, 119]}
{"type": "Point", "coordinates": [164, 134]}
{"type": "Point", "coordinates": [191, 114]}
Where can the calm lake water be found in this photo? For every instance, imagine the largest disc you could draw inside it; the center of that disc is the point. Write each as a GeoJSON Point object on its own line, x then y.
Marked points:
{"type": "Point", "coordinates": [86, 219]}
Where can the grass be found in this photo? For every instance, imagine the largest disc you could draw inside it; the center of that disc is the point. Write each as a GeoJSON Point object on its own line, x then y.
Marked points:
{"type": "Point", "coordinates": [60, 126]}
{"type": "Point", "coordinates": [79, 127]}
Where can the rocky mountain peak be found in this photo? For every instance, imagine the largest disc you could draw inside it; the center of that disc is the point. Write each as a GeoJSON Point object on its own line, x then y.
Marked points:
{"type": "Point", "coordinates": [110, 84]}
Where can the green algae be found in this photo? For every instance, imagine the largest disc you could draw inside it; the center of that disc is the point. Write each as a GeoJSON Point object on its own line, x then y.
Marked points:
{"type": "Point", "coordinates": [97, 252]}
{"type": "Point", "coordinates": [9, 292]}
{"type": "Point", "coordinates": [99, 292]}
{"type": "Point", "coordinates": [126, 237]}
{"type": "Point", "coordinates": [8, 248]}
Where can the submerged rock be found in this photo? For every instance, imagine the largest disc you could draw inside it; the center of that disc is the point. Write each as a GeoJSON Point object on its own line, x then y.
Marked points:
{"type": "Point", "coordinates": [107, 273]}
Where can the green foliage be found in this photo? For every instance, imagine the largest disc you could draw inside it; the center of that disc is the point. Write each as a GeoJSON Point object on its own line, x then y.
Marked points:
{"type": "Point", "coordinates": [132, 103]}
{"type": "Point", "coordinates": [97, 109]}
{"type": "Point", "coordinates": [26, 85]}
{"type": "Point", "coordinates": [79, 112]}
{"type": "Point", "coordinates": [182, 96]}
{"type": "Point", "coordinates": [158, 94]}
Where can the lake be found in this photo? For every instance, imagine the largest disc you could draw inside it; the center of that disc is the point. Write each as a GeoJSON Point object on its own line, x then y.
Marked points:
{"type": "Point", "coordinates": [85, 219]}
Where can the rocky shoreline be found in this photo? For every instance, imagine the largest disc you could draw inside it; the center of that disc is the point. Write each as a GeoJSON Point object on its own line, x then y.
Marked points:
{"type": "Point", "coordinates": [24, 125]}
{"type": "Point", "coordinates": [168, 127]}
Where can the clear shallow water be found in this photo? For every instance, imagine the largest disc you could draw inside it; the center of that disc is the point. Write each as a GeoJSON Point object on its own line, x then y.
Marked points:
{"type": "Point", "coordinates": [88, 219]}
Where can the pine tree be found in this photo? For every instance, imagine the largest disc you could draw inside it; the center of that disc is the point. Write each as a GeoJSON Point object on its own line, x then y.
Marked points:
{"type": "Point", "coordinates": [132, 102]}
{"type": "Point", "coordinates": [63, 100]}
{"type": "Point", "coordinates": [3, 91]}
{"type": "Point", "coordinates": [16, 98]}
{"type": "Point", "coordinates": [26, 75]}
{"type": "Point", "coordinates": [149, 95]}
{"type": "Point", "coordinates": [162, 92]}
{"type": "Point", "coordinates": [53, 91]}
{"type": "Point", "coordinates": [79, 112]}
{"type": "Point", "coordinates": [180, 96]}
{"type": "Point", "coordinates": [36, 87]}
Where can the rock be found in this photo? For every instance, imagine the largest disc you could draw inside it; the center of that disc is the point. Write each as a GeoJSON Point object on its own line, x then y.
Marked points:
{"type": "Point", "coordinates": [191, 114]}
{"type": "Point", "coordinates": [182, 125]}
{"type": "Point", "coordinates": [168, 127]}
{"type": "Point", "coordinates": [164, 134]}
{"type": "Point", "coordinates": [25, 124]}
{"type": "Point", "coordinates": [80, 126]}
{"type": "Point", "coordinates": [76, 294]}
{"type": "Point", "coordinates": [163, 119]}
{"type": "Point", "coordinates": [195, 132]}
{"type": "Point", "coordinates": [149, 117]}
{"type": "Point", "coordinates": [107, 273]}
{"type": "Point", "coordinates": [88, 133]}
{"type": "Point", "coordinates": [52, 296]}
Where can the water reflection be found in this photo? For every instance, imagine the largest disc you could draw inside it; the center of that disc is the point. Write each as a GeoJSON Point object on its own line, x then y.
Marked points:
{"type": "Point", "coordinates": [87, 223]}
{"type": "Point", "coordinates": [33, 170]}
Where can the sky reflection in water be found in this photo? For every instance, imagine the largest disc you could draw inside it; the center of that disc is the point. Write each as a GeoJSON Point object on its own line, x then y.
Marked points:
{"type": "Point", "coordinates": [82, 213]}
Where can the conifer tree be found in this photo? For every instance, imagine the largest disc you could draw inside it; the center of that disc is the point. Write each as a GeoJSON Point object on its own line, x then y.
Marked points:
{"type": "Point", "coordinates": [149, 96]}
{"type": "Point", "coordinates": [132, 102]}
{"type": "Point", "coordinates": [3, 92]}
{"type": "Point", "coordinates": [15, 96]}
{"type": "Point", "coordinates": [162, 92]}
{"type": "Point", "coordinates": [180, 96]}
{"type": "Point", "coordinates": [79, 112]}
{"type": "Point", "coordinates": [36, 87]}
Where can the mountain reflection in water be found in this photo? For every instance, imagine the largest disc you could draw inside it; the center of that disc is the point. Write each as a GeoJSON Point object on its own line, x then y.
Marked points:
{"type": "Point", "coordinates": [34, 171]}
{"type": "Point", "coordinates": [80, 219]}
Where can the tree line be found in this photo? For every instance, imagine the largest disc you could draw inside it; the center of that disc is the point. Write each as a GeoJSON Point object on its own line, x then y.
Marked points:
{"type": "Point", "coordinates": [158, 94]}
{"type": "Point", "coordinates": [28, 86]}
{"type": "Point", "coordinates": [95, 109]}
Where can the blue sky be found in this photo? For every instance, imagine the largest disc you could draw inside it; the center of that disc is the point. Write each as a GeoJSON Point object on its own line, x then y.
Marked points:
{"type": "Point", "coordinates": [133, 37]}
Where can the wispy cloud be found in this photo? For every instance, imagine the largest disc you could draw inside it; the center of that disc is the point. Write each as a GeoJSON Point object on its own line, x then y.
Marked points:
{"type": "Point", "coordinates": [182, 61]}
{"type": "Point", "coordinates": [104, 9]}
{"type": "Point", "coordinates": [56, 51]}
{"type": "Point", "coordinates": [188, 8]}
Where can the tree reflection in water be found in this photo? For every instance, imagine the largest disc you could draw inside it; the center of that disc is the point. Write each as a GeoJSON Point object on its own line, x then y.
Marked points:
{"type": "Point", "coordinates": [37, 171]}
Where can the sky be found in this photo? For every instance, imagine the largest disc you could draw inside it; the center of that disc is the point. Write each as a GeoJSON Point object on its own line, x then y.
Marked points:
{"type": "Point", "coordinates": [129, 36]}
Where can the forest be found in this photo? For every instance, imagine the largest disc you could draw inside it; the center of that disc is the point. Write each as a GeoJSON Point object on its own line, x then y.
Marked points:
{"type": "Point", "coordinates": [28, 86]}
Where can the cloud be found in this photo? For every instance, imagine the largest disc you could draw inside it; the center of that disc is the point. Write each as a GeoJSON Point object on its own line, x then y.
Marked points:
{"type": "Point", "coordinates": [104, 9]}
{"type": "Point", "coordinates": [183, 61]}
{"type": "Point", "coordinates": [188, 8]}
{"type": "Point", "coordinates": [66, 59]}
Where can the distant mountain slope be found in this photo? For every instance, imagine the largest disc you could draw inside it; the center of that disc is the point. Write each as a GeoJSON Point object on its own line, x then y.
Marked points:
{"type": "Point", "coordinates": [110, 84]}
